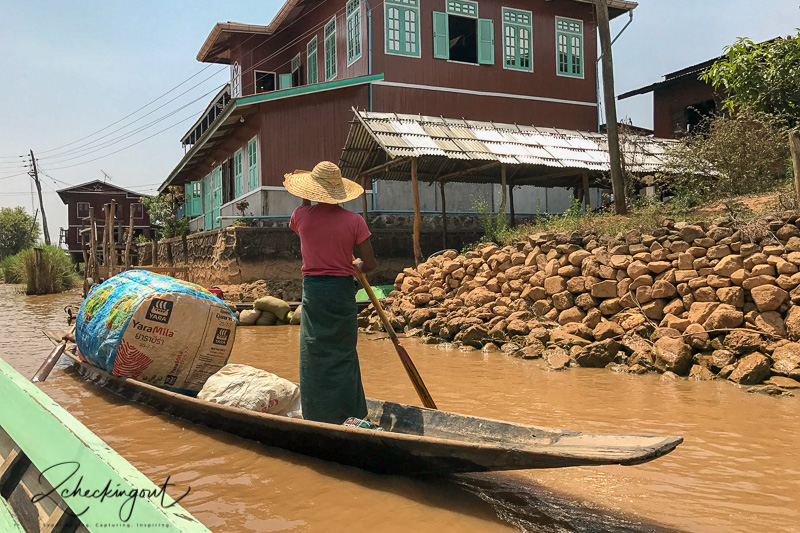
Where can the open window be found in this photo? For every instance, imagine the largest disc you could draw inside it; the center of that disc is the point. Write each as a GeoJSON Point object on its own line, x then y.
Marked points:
{"type": "Point", "coordinates": [297, 70]}
{"type": "Point", "coordinates": [83, 209]}
{"type": "Point", "coordinates": [265, 82]}
{"type": "Point", "coordinates": [697, 113]}
{"type": "Point", "coordinates": [459, 35]}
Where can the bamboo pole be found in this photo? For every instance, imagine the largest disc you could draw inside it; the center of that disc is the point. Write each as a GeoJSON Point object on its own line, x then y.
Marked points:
{"type": "Point", "coordinates": [794, 146]}
{"type": "Point", "coordinates": [502, 210]}
{"type": "Point", "coordinates": [107, 213]}
{"type": "Point", "coordinates": [128, 243]}
{"type": "Point", "coordinates": [444, 216]}
{"type": "Point", "coordinates": [511, 204]}
{"type": "Point", "coordinates": [417, 222]}
{"type": "Point", "coordinates": [364, 209]}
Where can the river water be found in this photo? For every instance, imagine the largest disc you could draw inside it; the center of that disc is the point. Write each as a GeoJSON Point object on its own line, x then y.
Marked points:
{"type": "Point", "coordinates": [737, 471]}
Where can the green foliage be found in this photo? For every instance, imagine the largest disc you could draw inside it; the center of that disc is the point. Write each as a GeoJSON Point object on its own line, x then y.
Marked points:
{"type": "Point", "coordinates": [763, 77]}
{"type": "Point", "coordinates": [18, 230]}
{"type": "Point", "coordinates": [141, 239]}
{"type": "Point", "coordinates": [729, 156]}
{"type": "Point", "coordinates": [57, 273]}
{"type": "Point", "coordinates": [495, 227]}
{"type": "Point", "coordinates": [162, 210]}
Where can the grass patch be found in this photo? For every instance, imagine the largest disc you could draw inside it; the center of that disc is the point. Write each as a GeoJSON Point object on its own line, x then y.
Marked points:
{"type": "Point", "coordinates": [57, 273]}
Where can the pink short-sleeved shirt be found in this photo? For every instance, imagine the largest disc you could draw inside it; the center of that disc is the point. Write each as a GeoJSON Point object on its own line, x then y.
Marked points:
{"type": "Point", "coordinates": [328, 233]}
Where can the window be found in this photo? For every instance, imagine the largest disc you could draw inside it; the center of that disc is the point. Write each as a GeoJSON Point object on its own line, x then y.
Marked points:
{"type": "Point", "coordinates": [311, 61]}
{"type": "Point", "coordinates": [459, 35]}
{"type": "Point", "coordinates": [297, 70]}
{"type": "Point", "coordinates": [252, 164]}
{"type": "Point", "coordinates": [517, 32]}
{"type": "Point", "coordinates": [138, 210]}
{"type": "Point", "coordinates": [83, 209]}
{"type": "Point", "coordinates": [569, 47]}
{"type": "Point", "coordinates": [353, 30]}
{"type": "Point", "coordinates": [236, 80]}
{"type": "Point", "coordinates": [402, 27]}
{"type": "Point", "coordinates": [238, 186]}
{"type": "Point", "coordinates": [330, 50]}
{"type": "Point", "coordinates": [193, 198]}
{"type": "Point", "coordinates": [265, 82]}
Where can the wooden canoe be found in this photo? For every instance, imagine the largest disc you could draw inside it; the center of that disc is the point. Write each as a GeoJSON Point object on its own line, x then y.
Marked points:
{"type": "Point", "coordinates": [416, 440]}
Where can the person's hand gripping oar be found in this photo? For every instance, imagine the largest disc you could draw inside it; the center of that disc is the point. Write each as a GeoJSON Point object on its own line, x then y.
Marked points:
{"type": "Point", "coordinates": [413, 374]}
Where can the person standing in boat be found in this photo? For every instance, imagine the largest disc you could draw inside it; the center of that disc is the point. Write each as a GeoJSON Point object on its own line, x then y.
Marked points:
{"type": "Point", "coordinates": [330, 375]}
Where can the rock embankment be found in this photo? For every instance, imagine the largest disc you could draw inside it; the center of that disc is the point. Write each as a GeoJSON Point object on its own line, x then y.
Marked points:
{"type": "Point", "coordinates": [701, 300]}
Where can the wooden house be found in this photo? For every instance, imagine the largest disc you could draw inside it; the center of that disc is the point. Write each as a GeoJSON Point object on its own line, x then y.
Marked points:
{"type": "Point", "coordinates": [295, 82]}
{"type": "Point", "coordinates": [79, 199]}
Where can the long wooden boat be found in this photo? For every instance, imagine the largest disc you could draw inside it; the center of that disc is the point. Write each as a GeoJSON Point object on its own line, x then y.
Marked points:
{"type": "Point", "coordinates": [50, 464]}
{"type": "Point", "coordinates": [416, 440]}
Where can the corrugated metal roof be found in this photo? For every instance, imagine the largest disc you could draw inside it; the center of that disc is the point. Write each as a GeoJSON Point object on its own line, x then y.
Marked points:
{"type": "Point", "coordinates": [534, 150]}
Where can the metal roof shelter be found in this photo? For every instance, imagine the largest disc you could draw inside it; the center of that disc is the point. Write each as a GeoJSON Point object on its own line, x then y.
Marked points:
{"type": "Point", "coordinates": [388, 146]}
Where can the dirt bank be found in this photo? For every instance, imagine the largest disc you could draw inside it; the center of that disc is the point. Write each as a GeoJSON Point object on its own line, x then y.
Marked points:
{"type": "Point", "coordinates": [711, 300]}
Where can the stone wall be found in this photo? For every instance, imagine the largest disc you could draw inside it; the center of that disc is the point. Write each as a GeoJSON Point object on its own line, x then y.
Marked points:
{"type": "Point", "coordinates": [706, 300]}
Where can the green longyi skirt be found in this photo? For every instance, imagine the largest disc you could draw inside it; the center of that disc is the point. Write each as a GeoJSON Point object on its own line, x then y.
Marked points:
{"type": "Point", "coordinates": [330, 376]}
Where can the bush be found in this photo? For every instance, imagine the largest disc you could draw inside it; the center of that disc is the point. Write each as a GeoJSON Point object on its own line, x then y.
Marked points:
{"type": "Point", "coordinates": [162, 213]}
{"type": "Point", "coordinates": [495, 228]}
{"type": "Point", "coordinates": [729, 156]}
{"type": "Point", "coordinates": [57, 270]}
{"type": "Point", "coordinates": [9, 269]}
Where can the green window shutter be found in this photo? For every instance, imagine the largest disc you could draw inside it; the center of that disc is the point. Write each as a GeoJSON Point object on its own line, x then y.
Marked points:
{"type": "Point", "coordinates": [237, 174]}
{"type": "Point", "coordinates": [197, 198]}
{"type": "Point", "coordinates": [187, 200]}
{"type": "Point", "coordinates": [285, 81]}
{"type": "Point", "coordinates": [330, 50]}
{"type": "Point", "coordinates": [207, 208]}
{"type": "Point", "coordinates": [252, 166]}
{"type": "Point", "coordinates": [311, 60]}
{"type": "Point", "coordinates": [441, 36]}
{"type": "Point", "coordinates": [353, 30]}
{"type": "Point", "coordinates": [486, 41]}
{"type": "Point", "coordinates": [216, 178]}
{"type": "Point", "coordinates": [576, 54]}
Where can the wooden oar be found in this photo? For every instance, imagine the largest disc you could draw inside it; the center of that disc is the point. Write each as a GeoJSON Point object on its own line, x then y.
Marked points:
{"type": "Point", "coordinates": [413, 374]}
{"type": "Point", "coordinates": [51, 360]}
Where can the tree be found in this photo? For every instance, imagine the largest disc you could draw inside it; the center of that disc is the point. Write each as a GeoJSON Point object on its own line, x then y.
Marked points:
{"type": "Point", "coordinates": [18, 230]}
{"type": "Point", "coordinates": [764, 77]}
{"type": "Point", "coordinates": [162, 213]}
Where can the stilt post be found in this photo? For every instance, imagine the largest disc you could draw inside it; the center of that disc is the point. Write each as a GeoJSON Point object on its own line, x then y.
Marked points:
{"type": "Point", "coordinates": [417, 216]}
{"type": "Point", "coordinates": [444, 216]}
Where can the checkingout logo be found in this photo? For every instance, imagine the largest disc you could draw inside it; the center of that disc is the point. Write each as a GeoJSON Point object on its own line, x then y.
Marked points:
{"type": "Point", "coordinates": [159, 311]}
{"type": "Point", "coordinates": [222, 336]}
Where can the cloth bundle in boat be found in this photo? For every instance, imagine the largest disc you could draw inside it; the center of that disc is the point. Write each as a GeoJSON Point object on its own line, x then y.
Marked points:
{"type": "Point", "coordinates": [253, 389]}
{"type": "Point", "coordinates": [163, 331]}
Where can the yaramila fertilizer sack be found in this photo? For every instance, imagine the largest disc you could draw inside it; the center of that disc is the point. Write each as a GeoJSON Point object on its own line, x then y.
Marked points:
{"type": "Point", "coordinates": [163, 331]}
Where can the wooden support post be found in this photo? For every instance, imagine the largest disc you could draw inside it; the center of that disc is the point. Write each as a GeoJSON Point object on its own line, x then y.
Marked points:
{"type": "Point", "coordinates": [364, 208]}
{"type": "Point", "coordinates": [112, 240]}
{"type": "Point", "coordinates": [511, 204]}
{"type": "Point", "coordinates": [417, 216]}
{"type": "Point", "coordinates": [617, 182]}
{"type": "Point", "coordinates": [444, 216]}
{"type": "Point", "coordinates": [37, 271]}
{"type": "Point", "coordinates": [503, 185]}
{"type": "Point", "coordinates": [794, 146]}
{"type": "Point", "coordinates": [128, 243]}
{"type": "Point", "coordinates": [587, 205]}
{"type": "Point", "coordinates": [92, 245]}
{"type": "Point", "coordinates": [107, 213]}
{"type": "Point", "coordinates": [84, 253]}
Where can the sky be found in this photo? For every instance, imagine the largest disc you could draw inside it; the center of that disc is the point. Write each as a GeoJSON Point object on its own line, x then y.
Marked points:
{"type": "Point", "coordinates": [73, 71]}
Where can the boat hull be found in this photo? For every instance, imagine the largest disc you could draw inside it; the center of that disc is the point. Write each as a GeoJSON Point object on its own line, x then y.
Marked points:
{"type": "Point", "coordinates": [418, 440]}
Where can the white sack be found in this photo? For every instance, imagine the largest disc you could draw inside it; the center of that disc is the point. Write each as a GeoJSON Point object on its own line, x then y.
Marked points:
{"type": "Point", "coordinates": [253, 389]}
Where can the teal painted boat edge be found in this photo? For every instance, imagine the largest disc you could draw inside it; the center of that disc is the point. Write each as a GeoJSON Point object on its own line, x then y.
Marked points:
{"type": "Point", "coordinates": [8, 520]}
{"type": "Point", "coordinates": [381, 292]}
{"type": "Point", "coordinates": [50, 436]}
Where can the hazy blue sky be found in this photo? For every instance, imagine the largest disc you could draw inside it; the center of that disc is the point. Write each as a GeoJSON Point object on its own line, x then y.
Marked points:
{"type": "Point", "coordinates": [72, 68]}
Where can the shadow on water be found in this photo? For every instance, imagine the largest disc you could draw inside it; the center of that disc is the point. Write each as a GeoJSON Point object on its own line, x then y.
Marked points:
{"type": "Point", "coordinates": [497, 498]}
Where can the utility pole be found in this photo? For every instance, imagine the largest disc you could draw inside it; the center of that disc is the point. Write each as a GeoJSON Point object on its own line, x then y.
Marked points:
{"type": "Point", "coordinates": [617, 182]}
{"type": "Point", "coordinates": [41, 203]}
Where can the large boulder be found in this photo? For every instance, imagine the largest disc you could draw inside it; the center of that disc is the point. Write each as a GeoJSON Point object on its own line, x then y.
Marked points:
{"type": "Point", "coordinates": [672, 355]}
{"type": "Point", "coordinates": [792, 323]}
{"type": "Point", "coordinates": [556, 358]}
{"type": "Point", "coordinates": [478, 297]}
{"type": "Point", "coordinates": [768, 297]}
{"type": "Point", "coordinates": [475, 336]}
{"type": "Point", "coordinates": [597, 354]}
{"type": "Point", "coordinates": [751, 370]}
{"type": "Point", "coordinates": [723, 317]}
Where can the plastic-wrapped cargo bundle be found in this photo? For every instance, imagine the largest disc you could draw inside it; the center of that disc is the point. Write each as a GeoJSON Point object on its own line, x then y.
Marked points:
{"type": "Point", "coordinates": [163, 331]}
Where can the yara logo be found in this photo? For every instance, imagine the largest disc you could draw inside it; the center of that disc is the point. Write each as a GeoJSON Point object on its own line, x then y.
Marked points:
{"type": "Point", "coordinates": [159, 310]}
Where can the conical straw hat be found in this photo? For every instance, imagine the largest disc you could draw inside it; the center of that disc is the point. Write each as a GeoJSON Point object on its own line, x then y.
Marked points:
{"type": "Point", "coordinates": [323, 184]}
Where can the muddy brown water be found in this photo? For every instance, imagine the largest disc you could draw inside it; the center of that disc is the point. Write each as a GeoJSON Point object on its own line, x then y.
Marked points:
{"type": "Point", "coordinates": [738, 469]}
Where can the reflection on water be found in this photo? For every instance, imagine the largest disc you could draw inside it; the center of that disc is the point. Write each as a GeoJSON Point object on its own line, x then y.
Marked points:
{"type": "Point", "coordinates": [736, 471]}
